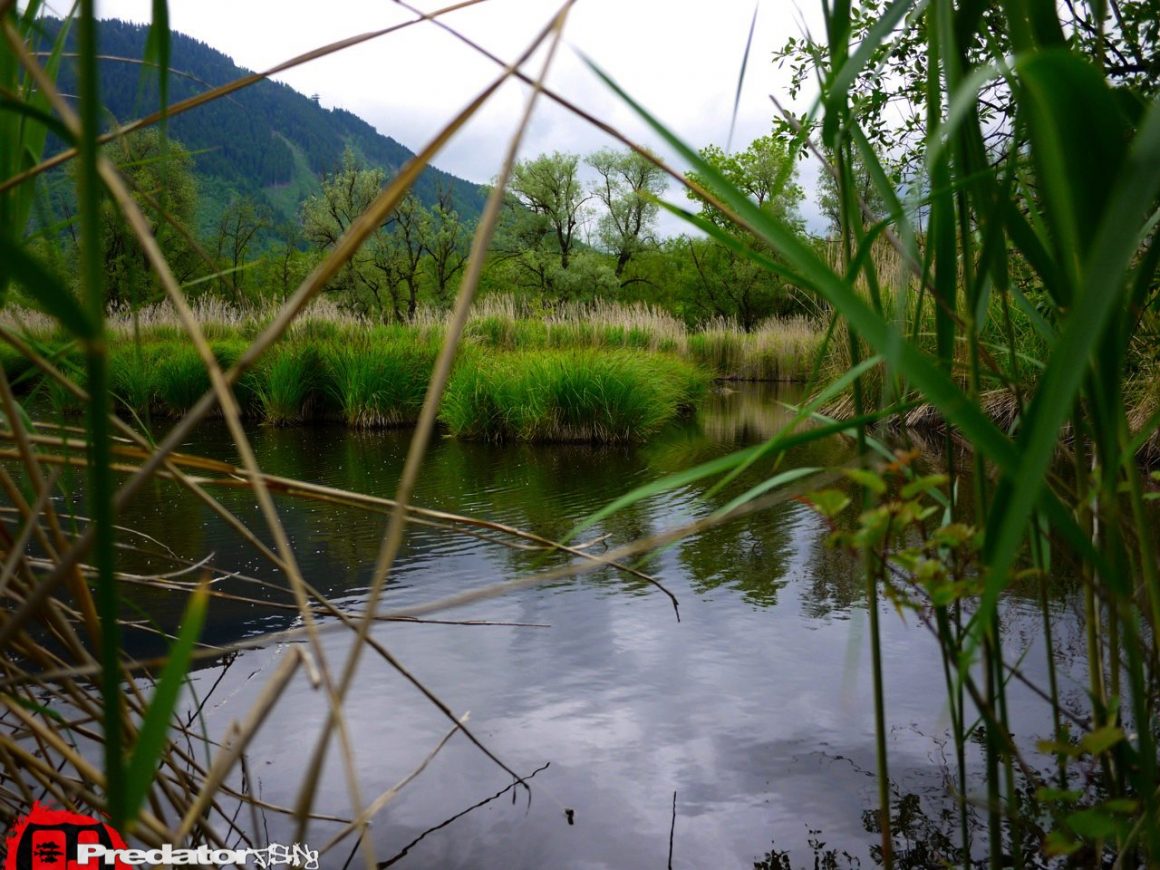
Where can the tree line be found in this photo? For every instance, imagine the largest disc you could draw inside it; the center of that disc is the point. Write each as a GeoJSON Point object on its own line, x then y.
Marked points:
{"type": "Point", "coordinates": [573, 228]}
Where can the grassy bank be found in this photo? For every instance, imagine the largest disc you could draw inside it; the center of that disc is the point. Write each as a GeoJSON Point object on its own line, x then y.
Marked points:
{"type": "Point", "coordinates": [600, 372]}
{"type": "Point", "coordinates": [375, 377]}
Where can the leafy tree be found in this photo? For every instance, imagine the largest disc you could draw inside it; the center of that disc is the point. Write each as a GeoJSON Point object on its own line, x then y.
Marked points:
{"type": "Point", "coordinates": [721, 281]}
{"type": "Point", "coordinates": [346, 193]}
{"type": "Point", "coordinates": [765, 170]}
{"type": "Point", "coordinates": [159, 173]}
{"type": "Point", "coordinates": [889, 96]}
{"type": "Point", "coordinates": [627, 186]}
{"type": "Point", "coordinates": [397, 253]}
{"type": "Point", "coordinates": [240, 222]}
{"type": "Point", "coordinates": [447, 244]}
{"type": "Point", "coordinates": [415, 247]}
{"type": "Point", "coordinates": [549, 187]}
{"type": "Point", "coordinates": [864, 189]}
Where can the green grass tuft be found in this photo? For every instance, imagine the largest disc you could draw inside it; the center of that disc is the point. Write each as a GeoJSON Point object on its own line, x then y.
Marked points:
{"type": "Point", "coordinates": [586, 396]}
{"type": "Point", "coordinates": [288, 384]}
{"type": "Point", "coordinates": [378, 382]}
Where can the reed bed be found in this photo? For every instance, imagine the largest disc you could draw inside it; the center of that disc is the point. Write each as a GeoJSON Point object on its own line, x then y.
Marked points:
{"type": "Point", "coordinates": [779, 349]}
{"type": "Point", "coordinates": [377, 383]}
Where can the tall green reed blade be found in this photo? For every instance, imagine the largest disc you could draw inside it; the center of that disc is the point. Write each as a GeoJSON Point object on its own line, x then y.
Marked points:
{"type": "Point", "coordinates": [741, 79]}
{"type": "Point", "coordinates": [101, 483]}
{"type": "Point", "coordinates": [25, 122]}
{"type": "Point", "coordinates": [725, 464]}
{"type": "Point", "coordinates": [157, 52]}
{"type": "Point", "coordinates": [153, 736]}
{"type": "Point", "coordinates": [1132, 184]}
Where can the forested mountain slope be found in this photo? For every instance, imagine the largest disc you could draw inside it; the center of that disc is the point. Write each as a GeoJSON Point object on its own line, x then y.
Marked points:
{"type": "Point", "coordinates": [266, 140]}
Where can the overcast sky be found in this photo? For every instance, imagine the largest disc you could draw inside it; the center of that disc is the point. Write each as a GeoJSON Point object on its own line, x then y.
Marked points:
{"type": "Point", "coordinates": [678, 58]}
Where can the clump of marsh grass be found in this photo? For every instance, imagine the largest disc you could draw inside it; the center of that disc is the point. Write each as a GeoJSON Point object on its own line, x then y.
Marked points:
{"type": "Point", "coordinates": [590, 396]}
{"type": "Point", "coordinates": [376, 383]}
{"type": "Point", "coordinates": [133, 370]}
{"type": "Point", "coordinates": [180, 378]}
{"type": "Point", "coordinates": [1143, 391]}
{"type": "Point", "coordinates": [17, 367]}
{"type": "Point", "coordinates": [288, 383]}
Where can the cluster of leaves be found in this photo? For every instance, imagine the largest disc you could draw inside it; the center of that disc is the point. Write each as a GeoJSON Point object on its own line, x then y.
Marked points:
{"type": "Point", "coordinates": [727, 279]}
{"type": "Point", "coordinates": [922, 559]}
{"type": "Point", "coordinates": [925, 562]}
{"type": "Point", "coordinates": [889, 96]}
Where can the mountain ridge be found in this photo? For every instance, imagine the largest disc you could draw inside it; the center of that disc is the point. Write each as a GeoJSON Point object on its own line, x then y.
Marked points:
{"type": "Point", "coordinates": [245, 142]}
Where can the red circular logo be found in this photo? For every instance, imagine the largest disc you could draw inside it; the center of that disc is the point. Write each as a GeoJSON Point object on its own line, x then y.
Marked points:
{"type": "Point", "coordinates": [48, 839]}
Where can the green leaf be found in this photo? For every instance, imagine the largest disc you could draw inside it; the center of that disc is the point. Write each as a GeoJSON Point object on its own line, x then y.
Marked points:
{"type": "Point", "coordinates": [665, 484]}
{"type": "Point", "coordinates": [1079, 137]}
{"type": "Point", "coordinates": [39, 709]}
{"type": "Point", "coordinates": [1094, 824]}
{"type": "Point", "coordinates": [875, 524]}
{"type": "Point", "coordinates": [1122, 806]}
{"type": "Point", "coordinates": [829, 502]}
{"type": "Point", "coordinates": [923, 485]}
{"type": "Point", "coordinates": [151, 739]}
{"type": "Point", "coordinates": [765, 486]}
{"type": "Point", "coordinates": [1102, 739]}
{"type": "Point", "coordinates": [719, 466]}
{"type": "Point", "coordinates": [1059, 843]}
{"type": "Point", "coordinates": [1046, 795]}
{"type": "Point", "coordinates": [1057, 747]}
{"type": "Point", "coordinates": [953, 535]}
{"type": "Point", "coordinates": [866, 478]}
{"type": "Point", "coordinates": [19, 107]}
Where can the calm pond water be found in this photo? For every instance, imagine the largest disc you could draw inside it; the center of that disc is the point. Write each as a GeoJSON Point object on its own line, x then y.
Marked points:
{"type": "Point", "coordinates": [755, 709]}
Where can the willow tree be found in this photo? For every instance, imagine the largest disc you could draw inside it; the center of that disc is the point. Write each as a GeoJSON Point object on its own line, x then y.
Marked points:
{"type": "Point", "coordinates": [159, 172]}
{"type": "Point", "coordinates": [628, 186]}
{"type": "Point", "coordinates": [549, 186]}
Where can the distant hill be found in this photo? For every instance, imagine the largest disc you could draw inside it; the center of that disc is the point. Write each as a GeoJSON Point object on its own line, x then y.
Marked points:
{"type": "Point", "coordinates": [267, 140]}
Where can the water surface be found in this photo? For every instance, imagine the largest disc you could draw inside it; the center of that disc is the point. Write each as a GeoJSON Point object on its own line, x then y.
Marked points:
{"type": "Point", "coordinates": [755, 709]}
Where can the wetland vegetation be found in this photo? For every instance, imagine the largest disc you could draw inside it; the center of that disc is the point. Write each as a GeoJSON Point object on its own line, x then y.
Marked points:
{"type": "Point", "coordinates": [993, 273]}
